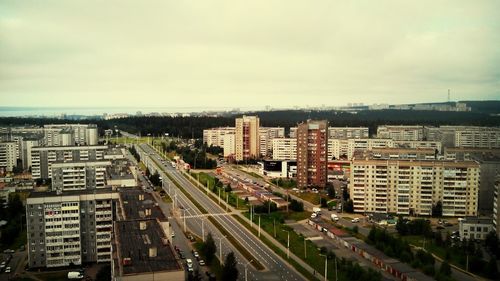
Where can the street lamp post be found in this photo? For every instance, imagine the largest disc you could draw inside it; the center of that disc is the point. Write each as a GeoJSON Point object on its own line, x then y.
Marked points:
{"type": "Point", "coordinates": [326, 266]}
{"type": "Point", "coordinates": [287, 244]}
{"type": "Point", "coordinates": [184, 217]}
{"type": "Point", "coordinates": [246, 269]}
{"type": "Point", "coordinates": [203, 229]}
{"type": "Point", "coordinates": [220, 248]}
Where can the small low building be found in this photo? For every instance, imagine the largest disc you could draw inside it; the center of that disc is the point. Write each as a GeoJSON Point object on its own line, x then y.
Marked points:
{"type": "Point", "coordinates": [475, 228]}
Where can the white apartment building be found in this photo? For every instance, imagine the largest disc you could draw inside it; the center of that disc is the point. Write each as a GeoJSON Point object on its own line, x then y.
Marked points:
{"type": "Point", "coordinates": [496, 205]}
{"type": "Point", "coordinates": [42, 157]}
{"type": "Point", "coordinates": [348, 133]}
{"type": "Point", "coordinates": [69, 229]}
{"type": "Point", "coordinates": [414, 186]}
{"type": "Point", "coordinates": [81, 134]}
{"type": "Point", "coordinates": [401, 132]}
{"type": "Point", "coordinates": [436, 145]}
{"type": "Point", "coordinates": [67, 176]}
{"type": "Point", "coordinates": [465, 136]}
{"type": "Point", "coordinates": [266, 136]}
{"type": "Point", "coordinates": [26, 146]}
{"type": "Point", "coordinates": [475, 228]}
{"type": "Point", "coordinates": [215, 136]}
{"type": "Point", "coordinates": [8, 155]}
{"type": "Point", "coordinates": [338, 148]}
{"type": "Point", "coordinates": [480, 137]}
{"type": "Point", "coordinates": [285, 149]}
{"type": "Point", "coordinates": [229, 145]}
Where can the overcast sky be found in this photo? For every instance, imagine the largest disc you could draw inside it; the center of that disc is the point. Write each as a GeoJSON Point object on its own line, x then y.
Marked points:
{"type": "Point", "coordinates": [247, 53]}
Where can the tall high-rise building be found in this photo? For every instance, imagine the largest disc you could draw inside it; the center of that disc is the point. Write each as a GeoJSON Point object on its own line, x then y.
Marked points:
{"type": "Point", "coordinates": [247, 139]}
{"type": "Point", "coordinates": [8, 158]}
{"type": "Point", "coordinates": [312, 153]}
{"type": "Point", "coordinates": [70, 228]}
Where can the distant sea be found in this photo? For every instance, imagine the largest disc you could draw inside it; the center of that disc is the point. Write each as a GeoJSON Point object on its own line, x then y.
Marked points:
{"type": "Point", "coordinates": [6, 111]}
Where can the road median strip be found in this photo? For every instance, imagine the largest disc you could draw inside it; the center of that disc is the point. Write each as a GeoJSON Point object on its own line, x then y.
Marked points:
{"type": "Point", "coordinates": [229, 237]}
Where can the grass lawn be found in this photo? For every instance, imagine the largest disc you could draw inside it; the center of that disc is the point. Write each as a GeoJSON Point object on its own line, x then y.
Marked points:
{"type": "Point", "coordinates": [440, 251]}
{"type": "Point", "coordinates": [234, 200]}
{"type": "Point", "coordinates": [274, 220]}
{"type": "Point", "coordinates": [255, 175]}
{"type": "Point", "coordinates": [52, 276]}
{"type": "Point", "coordinates": [166, 199]}
{"type": "Point", "coordinates": [142, 167]}
{"type": "Point", "coordinates": [309, 196]}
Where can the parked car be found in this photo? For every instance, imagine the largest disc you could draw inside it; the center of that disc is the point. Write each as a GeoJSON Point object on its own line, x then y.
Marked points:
{"type": "Point", "coordinates": [7, 270]}
{"type": "Point", "coordinates": [355, 220]}
{"type": "Point", "coordinates": [196, 255]}
{"type": "Point", "coordinates": [201, 262]}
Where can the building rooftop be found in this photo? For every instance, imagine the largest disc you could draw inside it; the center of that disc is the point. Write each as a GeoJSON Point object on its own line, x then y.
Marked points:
{"type": "Point", "coordinates": [137, 204]}
{"type": "Point", "coordinates": [476, 220]}
{"type": "Point", "coordinates": [70, 193]}
{"type": "Point", "coordinates": [142, 248]}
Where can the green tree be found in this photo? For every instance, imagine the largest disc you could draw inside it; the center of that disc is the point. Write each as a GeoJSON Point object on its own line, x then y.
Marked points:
{"type": "Point", "coordinates": [229, 270]}
{"type": "Point", "coordinates": [104, 273]}
{"type": "Point", "coordinates": [491, 242]}
{"type": "Point", "coordinates": [491, 269]}
{"type": "Point", "coordinates": [401, 226]}
{"type": "Point", "coordinates": [209, 248]}
{"type": "Point", "coordinates": [331, 191]}
{"type": "Point", "coordinates": [349, 206]}
{"type": "Point", "coordinates": [323, 202]}
{"type": "Point", "coordinates": [296, 206]}
{"type": "Point", "coordinates": [437, 210]}
{"type": "Point", "coordinates": [445, 268]}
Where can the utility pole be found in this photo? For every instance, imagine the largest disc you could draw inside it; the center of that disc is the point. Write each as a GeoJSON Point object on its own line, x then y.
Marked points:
{"type": "Point", "coordinates": [326, 266]}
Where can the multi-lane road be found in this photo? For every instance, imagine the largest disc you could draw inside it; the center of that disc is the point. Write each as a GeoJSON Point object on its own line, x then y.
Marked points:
{"type": "Point", "coordinates": [196, 222]}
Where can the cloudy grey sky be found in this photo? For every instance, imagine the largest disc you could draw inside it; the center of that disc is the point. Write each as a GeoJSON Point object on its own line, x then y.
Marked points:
{"type": "Point", "coordinates": [247, 53]}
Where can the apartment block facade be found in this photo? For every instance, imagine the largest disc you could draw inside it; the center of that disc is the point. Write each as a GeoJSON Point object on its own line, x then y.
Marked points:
{"type": "Point", "coordinates": [215, 136]}
{"type": "Point", "coordinates": [8, 155]}
{"type": "Point", "coordinates": [414, 186]}
{"type": "Point", "coordinates": [285, 149]}
{"type": "Point", "coordinates": [68, 176]}
{"type": "Point", "coordinates": [266, 137]}
{"type": "Point", "coordinates": [42, 158]}
{"type": "Point", "coordinates": [247, 141]}
{"type": "Point", "coordinates": [70, 228]}
{"type": "Point", "coordinates": [312, 154]}
{"type": "Point", "coordinates": [71, 134]}
{"type": "Point", "coordinates": [348, 133]}
{"type": "Point", "coordinates": [401, 132]}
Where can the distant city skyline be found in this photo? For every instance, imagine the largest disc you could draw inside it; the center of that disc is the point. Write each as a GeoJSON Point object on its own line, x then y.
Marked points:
{"type": "Point", "coordinates": [221, 54]}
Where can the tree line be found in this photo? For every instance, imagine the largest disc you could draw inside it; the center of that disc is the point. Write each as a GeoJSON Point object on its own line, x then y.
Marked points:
{"type": "Point", "coordinates": [192, 127]}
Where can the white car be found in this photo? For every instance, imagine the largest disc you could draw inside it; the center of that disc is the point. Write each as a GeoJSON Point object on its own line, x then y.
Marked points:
{"type": "Point", "coordinates": [313, 215]}
{"type": "Point", "coordinates": [7, 269]}
{"type": "Point", "coordinates": [355, 220]}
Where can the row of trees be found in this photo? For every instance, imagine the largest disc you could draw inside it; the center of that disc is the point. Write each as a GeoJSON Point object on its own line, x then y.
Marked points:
{"type": "Point", "coordinates": [134, 153]}
{"type": "Point", "coordinates": [13, 214]}
{"type": "Point", "coordinates": [350, 270]}
{"type": "Point", "coordinates": [467, 253]}
{"type": "Point", "coordinates": [229, 269]}
{"type": "Point", "coordinates": [400, 249]}
{"type": "Point", "coordinates": [196, 158]}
